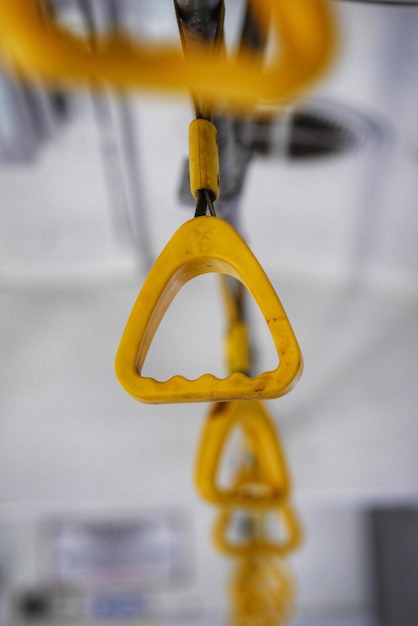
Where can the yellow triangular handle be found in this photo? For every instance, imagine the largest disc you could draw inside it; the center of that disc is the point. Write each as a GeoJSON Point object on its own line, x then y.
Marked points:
{"type": "Point", "coordinates": [304, 29]}
{"type": "Point", "coordinates": [272, 484]}
{"type": "Point", "coordinates": [260, 542]}
{"type": "Point", "coordinates": [202, 245]}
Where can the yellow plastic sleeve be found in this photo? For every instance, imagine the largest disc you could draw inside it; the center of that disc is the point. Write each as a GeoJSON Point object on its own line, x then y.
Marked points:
{"type": "Point", "coordinates": [203, 158]}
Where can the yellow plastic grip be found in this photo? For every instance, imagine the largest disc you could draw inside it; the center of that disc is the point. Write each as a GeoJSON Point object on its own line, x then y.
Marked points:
{"type": "Point", "coordinates": [202, 245]}
{"type": "Point", "coordinates": [304, 41]}
{"type": "Point", "coordinates": [203, 158]}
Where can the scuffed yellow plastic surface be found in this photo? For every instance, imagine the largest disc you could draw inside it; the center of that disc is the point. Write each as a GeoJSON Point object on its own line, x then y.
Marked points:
{"type": "Point", "coordinates": [202, 245]}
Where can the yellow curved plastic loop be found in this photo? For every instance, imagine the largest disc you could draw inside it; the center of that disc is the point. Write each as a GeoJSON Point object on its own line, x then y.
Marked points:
{"type": "Point", "coordinates": [270, 485]}
{"type": "Point", "coordinates": [202, 245]}
{"type": "Point", "coordinates": [304, 31]}
{"type": "Point", "coordinates": [259, 543]}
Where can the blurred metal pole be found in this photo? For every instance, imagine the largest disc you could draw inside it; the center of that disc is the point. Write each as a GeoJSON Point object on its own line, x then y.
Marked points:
{"type": "Point", "coordinates": [119, 148]}
{"type": "Point", "coordinates": [200, 17]}
{"type": "Point", "coordinates": [129, 145]}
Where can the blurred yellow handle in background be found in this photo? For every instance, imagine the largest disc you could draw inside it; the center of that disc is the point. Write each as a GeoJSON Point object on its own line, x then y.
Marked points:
{"type": "Point", "coordinates": [304, 33]}
{"type": "Point", "coordinates": [269, 485]}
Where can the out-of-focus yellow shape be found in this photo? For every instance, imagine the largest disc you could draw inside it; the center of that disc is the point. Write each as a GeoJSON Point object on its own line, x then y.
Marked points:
{"type": "Point", "coordinates": [237, 347]}
{"type": "Point", "coordinates": [202, 245]}
{"type": "Point", "coordinates": [305, 37]}
{"type": "Point", "coordinates": [237, 341]}
{"type": "Point", "coordinates": [203, 158]}
{"type": "Point", "coordinates": [262, 592]}
{"type": "Point", "coordinates": [266, 487]}
{"type": "Point", "coordinates": [260, 542]}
